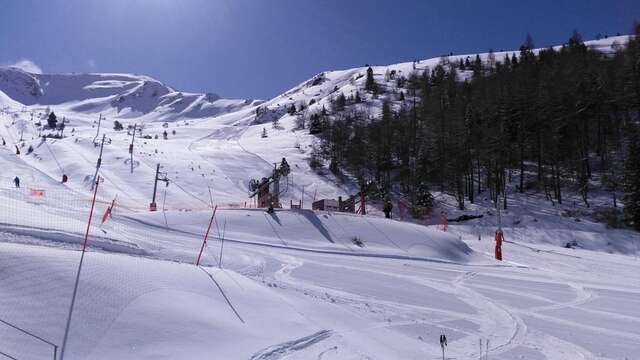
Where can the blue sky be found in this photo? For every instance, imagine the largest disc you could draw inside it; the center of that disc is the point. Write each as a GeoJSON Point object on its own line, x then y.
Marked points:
{"type": "Point", "coordinates": [261, 48]}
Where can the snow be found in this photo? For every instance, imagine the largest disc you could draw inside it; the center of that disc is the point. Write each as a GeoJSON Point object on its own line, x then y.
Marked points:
{"type": "Point", "coordinates": [296, 284]}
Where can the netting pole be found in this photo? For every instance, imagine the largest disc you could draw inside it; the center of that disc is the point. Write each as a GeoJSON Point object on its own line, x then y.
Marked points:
{"type": "Point", "coordinates": [206, 235]}
{"type": "Point", "coordinates": [99, 162]}
{"type": "Point", "coordinates": [133, 136]}
{"type": "Point", "coordinates": [75, 286]}
{"type": "Point", "coordinates": [93, 203]}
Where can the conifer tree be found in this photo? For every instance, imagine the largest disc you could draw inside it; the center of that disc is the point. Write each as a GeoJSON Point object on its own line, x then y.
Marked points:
{"type": "Point", "coordinates": [370, 84]}
{"type": "Point", "coordinates": [477, 67]}
{"type": "Point", "coordinates": [315, 125]}
{"type": "Point", "coordinates": [52, 120]}
{"type": "Point", "coordinates": [528, 42]}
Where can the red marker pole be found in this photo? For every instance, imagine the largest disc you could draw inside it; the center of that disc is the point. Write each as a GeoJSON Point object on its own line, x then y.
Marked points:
{"type": "Point", "coordinates": [206, 235]}
{"type": "Point", "coordinates": [499, 238]}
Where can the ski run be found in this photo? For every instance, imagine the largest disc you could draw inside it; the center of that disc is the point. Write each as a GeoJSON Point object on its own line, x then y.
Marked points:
{"type": "Point", "coordinates": [284, 284]}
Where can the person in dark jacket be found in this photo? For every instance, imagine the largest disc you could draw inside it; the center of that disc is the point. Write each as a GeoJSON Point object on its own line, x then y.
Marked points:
{"type": "Point", "coordinates": [443, 344]}
{"type": "Point", "coordinates": [16, 181]}
{"type": "Point", "coordinates": [387, 209]}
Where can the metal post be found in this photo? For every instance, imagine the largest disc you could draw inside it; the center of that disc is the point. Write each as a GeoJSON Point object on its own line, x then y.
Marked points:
{"type": "Point", "coordinates": [98, 130]}
{"type": "Point", "coordinates": [486, 353]}
{"type": "Point", "coordinates": [152, 206]}
{"type": "Point", "coordinates": [77, 281]}
{"type": "Point", "coordinates": [73, 301]}
{"type": "Point", "coordinates": [133, 136]}
{"type": "Point", "coordinates": [98, 163]}
{"type": "Point", "coordinates": [164, 213]}
{"type": "Point", "coordinates": [93, 203]}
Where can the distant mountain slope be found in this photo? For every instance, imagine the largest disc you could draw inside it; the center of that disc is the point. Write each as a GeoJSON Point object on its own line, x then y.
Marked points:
{"type": "Point", "coordinates": [133, 96]}
{"type": "Point", "coordinates": [318, 91]}
{"type": "Point", "coordinates": [121, 95]}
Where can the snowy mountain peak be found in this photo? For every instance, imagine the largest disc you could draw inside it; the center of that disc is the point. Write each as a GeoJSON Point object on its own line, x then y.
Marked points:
{"type": "Point", "coordinates": [117, 95]}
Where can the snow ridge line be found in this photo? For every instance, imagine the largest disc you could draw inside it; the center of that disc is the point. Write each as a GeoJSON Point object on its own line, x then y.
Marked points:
{"type": "Point", "coordinates": [333, 252]}
{"type": "Point", "coordinates": [65, 237]}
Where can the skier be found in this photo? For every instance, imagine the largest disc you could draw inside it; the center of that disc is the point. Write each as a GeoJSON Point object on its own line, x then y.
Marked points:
{"type": "Point", "coordinates": [3, 142]}
{"type": "Point", "coordinates": [30, 149]}
{"type": "Point", "coordinates": [65, 178]}
{"type": "Point", "coordinates": [443, 343]}
{"type": "Point", "coordinates": [499, 239]}
{"type": "Point", "coordinates": [387, 209]}
{"type": "Point", "coordinates": [17, 150]}
{"type": "Point", "coordinates": [284, 167]}
{"type": "Point", "coordinates": [16, 181]}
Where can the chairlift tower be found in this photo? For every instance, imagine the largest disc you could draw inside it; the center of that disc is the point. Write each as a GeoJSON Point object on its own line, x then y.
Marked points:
{"type": "Point", "coordinates": [159, 177]}
{"type": "Point", "coordinates": [266, 197]}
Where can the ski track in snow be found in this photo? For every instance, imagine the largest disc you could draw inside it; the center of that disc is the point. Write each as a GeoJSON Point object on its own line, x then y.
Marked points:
{"type": "Point", "coordinates": [287, 348]}
{"type": "Point", "coordinates": [505, 318]}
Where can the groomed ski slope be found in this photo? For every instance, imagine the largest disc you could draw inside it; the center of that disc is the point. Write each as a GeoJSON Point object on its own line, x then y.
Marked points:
{"type": "Point", "coordinates": [543, 303]}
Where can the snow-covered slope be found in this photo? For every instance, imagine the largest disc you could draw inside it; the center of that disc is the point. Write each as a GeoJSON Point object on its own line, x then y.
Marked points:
{"type": "Point", "coordinates": [295, 284]}
{"type": "Point", "coordinates": [114, 95]}
{"type": "Point", "coordinates": [327, 85]}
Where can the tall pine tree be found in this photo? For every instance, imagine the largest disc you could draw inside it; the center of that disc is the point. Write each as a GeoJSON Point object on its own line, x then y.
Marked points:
{"type": "Point", "coordinates": [370, 84]}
